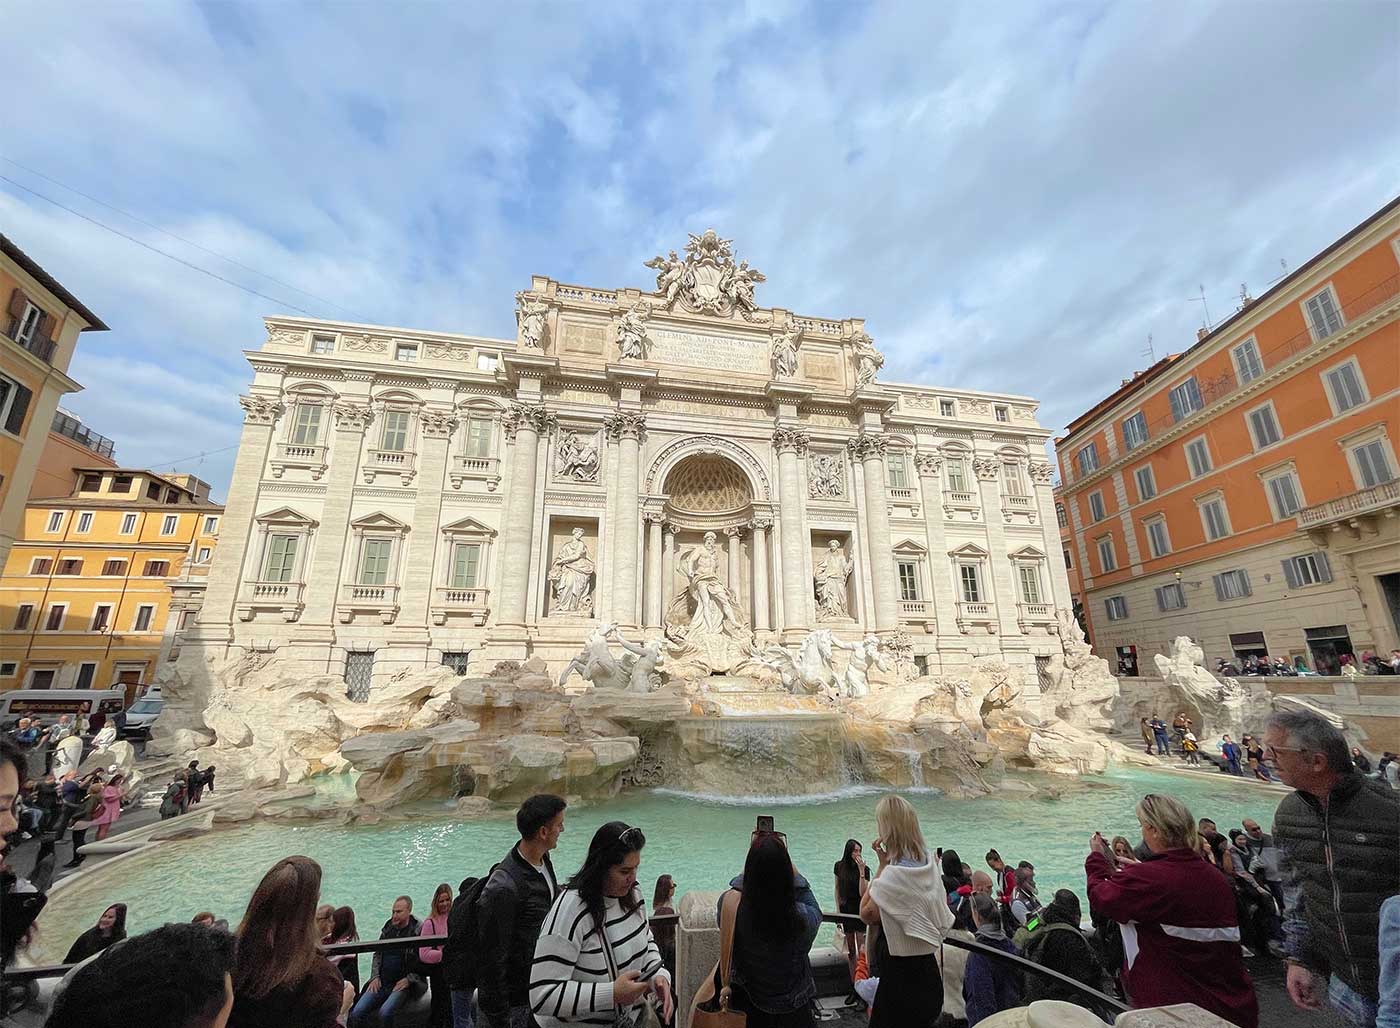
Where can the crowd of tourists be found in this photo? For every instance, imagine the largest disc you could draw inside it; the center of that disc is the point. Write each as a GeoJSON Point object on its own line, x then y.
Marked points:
{"type": "Point", "coordinates": [1162, 921]}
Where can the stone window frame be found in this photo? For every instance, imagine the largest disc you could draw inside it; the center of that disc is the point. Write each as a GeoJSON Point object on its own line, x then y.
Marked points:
{"type": "Point", "coordinates": [1116, 603]}
{"type": "Point", "coordinates": [970, 555]}
{"type": "Point", "coordinates": [1015, 461]}
{"type": "Point", "coordinates": [376, 526]}
{"type": "Point", "coordinates": [1240, 366]}
{"type": "Point", "coordinates": [1329, 290]}
{"type": "Point", "coordinates": [283, 521]}
{"type": "Point", "coordinates": [53, 525]}
{"type": "Point", "coordinates": [465, 530]}
{"type": "Point", "coordinates": [1109, 566]}
{"type": "Point", "coordinates": [1190, 465]}
{"type": "Point", "coordinates": [479, 409]}
{"type": "Point", "coordinates": [1287, 469]}
{"type": "Point", "coordinates": [1205, 500]}
{"type": "Point", "coordinates": [150, 618]}
{"type": "Point", "coordinates": [398, 401]}
{"type": "Point", "coordinates": [1148, 524]}
{"type": "Point", "coordinates": [962, 455]}
{"type": "Point", "coordinates": [1278, 425]}
{"type": "Point", "coordinates": [1101, 514]}
{"type": "Point", "coordinates": [1136, 418]}
{"type": "Point", "coordinates": [1325, 374]}
{"type": "Point", "coordinates": [308, 394]}
{"type": "Point", "coordinates": [1373, 433]}
{"type": "Point", "coordinates": [316, 337]}
{"type": "Point", "coordinates": [1034, 558]}
{"type": "Point", "coordinates": [1143, 497]}
{"type": "Point", "coordinates": [1081, 466]}
{"type": "Point", "coordinates": [897, 456]}
{"type": "Point", "coordinates": [907, 551]}
{"type": "Point", "coordinates": [128, 518]}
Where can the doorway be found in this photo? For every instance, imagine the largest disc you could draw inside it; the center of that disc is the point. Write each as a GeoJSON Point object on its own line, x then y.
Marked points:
{"type": "Point", "coordinates": [1328, 645]}
{"type": "Point", "coordinates": [1127, 661]}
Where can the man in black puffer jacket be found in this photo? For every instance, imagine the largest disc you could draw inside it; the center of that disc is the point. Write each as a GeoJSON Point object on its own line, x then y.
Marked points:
{"type": "Point", "coordinates": [1339, 837]}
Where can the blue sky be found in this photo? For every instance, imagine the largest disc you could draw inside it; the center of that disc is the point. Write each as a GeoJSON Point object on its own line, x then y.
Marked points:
{"type": "Point", "coordinates": [1013, 196]}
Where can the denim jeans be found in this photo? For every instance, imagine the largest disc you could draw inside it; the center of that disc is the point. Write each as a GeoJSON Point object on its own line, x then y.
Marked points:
{"type": "Point", "coordinates": [462, 1008]}
{"type": "Point", "coordinates": [377, 1008]}
{"type": "Point", "coordinates": [1161, 739]}
{"type": "Point", "coordinates": [1352, 1007]}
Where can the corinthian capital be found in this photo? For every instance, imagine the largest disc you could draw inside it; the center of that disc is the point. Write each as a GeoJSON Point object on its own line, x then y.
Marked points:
{"type": "Point", "coordinates": [437, 424]}
{"type": "Point", "coordinates": [1041, 472]}
{"type": "Point", "coordinates": [534, 416]}
{"type": "Point", "coordinates": [625, 424]}
{"type": "Point", "coordinates": [260, 410]}
{"type": "Point", "coordinates": [761, 522]}
{"type": "Point", "coordinates": [790, 440]}
{"type": "Point", "coordinates": [352, 415]}
{"type": "Point", "coordinates": [866, 446]}
{"type": "Point", "coordinates": [986, 468]}
{"type": "Point", "coordinates": [928, 464]}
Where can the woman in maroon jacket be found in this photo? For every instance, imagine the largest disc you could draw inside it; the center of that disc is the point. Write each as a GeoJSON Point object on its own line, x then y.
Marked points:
{"type": "Point", "coordinates": [1181, 933]}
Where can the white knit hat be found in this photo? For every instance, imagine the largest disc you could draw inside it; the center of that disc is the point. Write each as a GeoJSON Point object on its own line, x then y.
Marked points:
{"type": "Point", "coordinates": [1044, 1013]}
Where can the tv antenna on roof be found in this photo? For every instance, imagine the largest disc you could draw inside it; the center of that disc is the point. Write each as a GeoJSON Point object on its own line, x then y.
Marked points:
{"type": "Point", "coordinates": [1283, 274]}
{"type": "Point", "coordinates": [1149, 351]}
{"type": "Point", "coordinates": [1204, 306]}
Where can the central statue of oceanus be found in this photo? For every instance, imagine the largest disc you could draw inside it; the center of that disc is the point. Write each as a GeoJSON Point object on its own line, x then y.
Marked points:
{"type": "Point", "coordinates": [707, 629]}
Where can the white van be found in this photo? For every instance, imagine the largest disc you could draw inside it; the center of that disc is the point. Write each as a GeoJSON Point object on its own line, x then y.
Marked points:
{"type": "Point", "coordinates": [48, 704]}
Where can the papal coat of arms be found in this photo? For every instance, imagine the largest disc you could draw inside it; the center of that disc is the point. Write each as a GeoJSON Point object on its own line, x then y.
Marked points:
{"type": "Point", "coordinates": [707, 279]}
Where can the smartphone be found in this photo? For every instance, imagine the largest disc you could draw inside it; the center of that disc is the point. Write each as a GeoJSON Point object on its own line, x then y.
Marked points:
{"type": "Point", "coordinates": [764, 825]}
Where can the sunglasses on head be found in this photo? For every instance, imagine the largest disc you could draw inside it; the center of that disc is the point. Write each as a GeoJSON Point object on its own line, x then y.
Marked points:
{"type": "Point", "coordinates": [633, 834]}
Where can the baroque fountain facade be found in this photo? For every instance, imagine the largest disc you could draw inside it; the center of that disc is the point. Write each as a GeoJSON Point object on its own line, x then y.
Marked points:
{"type": "Point", "coordinates": [661, 537]}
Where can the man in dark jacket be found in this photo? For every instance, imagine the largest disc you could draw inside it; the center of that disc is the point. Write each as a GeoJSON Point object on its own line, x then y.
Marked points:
{"type": "Point", "coordinates": [989, 985]}
{"type": "Point", "coordinates": [388, 987]}
{"type": "Point", "coordinates": [1339, 837]}
{"type": "Point", "coordinates": [513, 906]}
{"type": "Point", "coordinates": [1059, 945]}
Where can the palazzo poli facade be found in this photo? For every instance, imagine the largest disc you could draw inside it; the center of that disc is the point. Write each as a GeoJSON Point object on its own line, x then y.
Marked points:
{"type": "Point", "coordinates": [404, 498]}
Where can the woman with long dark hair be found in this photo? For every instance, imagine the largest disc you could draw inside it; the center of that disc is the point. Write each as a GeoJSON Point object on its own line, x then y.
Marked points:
{"type": "Point", "coordinates": [596, 957]}
{"type": "Point", "coordinates": [342, 929]}
{"type": "Point", "coordinates": [662, 902]}
{"type": "Point", "coordinates": [281, 977]}
{"type": "Point", "coordinates": [430, 957]}
{"type": "Point", "coordinates": [110, 928]}
{"type": "Point", "coordinates": [775, 922]}
{"type": "Point", "coordinates": [852, 879]}
{"type": "Point", "coordinates": [20, 901]}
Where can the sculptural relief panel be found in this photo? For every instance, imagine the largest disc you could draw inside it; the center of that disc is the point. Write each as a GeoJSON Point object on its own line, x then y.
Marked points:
{"type": "Point", "coordinates": [577, 454]}
{"type": "Point", "coordinates": [826, 475]}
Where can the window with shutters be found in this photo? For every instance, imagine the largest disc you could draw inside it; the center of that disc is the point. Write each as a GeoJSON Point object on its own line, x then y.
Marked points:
{"type": "Point", "coordinates": [54, 622]}
{"type": "Point", "coordinates": [395, 435]}
{"type": "Point", "coordinates": [908, 580]}
{"type": "Point", "coordinates": [896, 471]}
{"type": "Point", "coordinates": [1087, 459]}
{"type": "Point", "coordinates": [1135, 431]}
{"type": "Point", "coordinates": [1263, 426]}
{"type": "Point", "coordinates": [280, 564]}
{"type": "Point", "coordinates": [1116, 607]}
{"type": "Point", "coordinates": [1373, 465]}
{"type": "Point", "coordinates": [478, 437]}
{"type": "Point", "coordinates": [84, 523]}
{"type": "Point", "coordinates": [970, 582]}
{"type": "Point", "coordinates": [14, 404]}
{"type": "Point", "coordinates": [170, 524]}
{"type": "Point", "coordinates": [28, 324]}
{"type": "Point", "coordinates": [1171, 597]}
{"type": "Point", "coordinates": [1096, 508]}
{"type": "Point", "coordinates": [128, 524]}
{"type": "Point", "coordinates": [144, 614]}
{"type": "Point", "coordinates": [1285, 494]}
{"type": "Point", "coordinates": [1231, 585]}
{"type": "Point", "coordinates": [1157, 539]}
{"type": "Point", "coordinates": [1011, 480]}
{"type": "Point", "coordinates": [947, 409]}
{"type": "Point", "coordinates": [41, 566]}
{"type": "Point", "coordinates": [70, 566]}
{"type": "Point", "coordinates": [1324, 314]}
{"type": "Point", "coordinates": [101, 617]}
{"type": "Point", "coordinates": [955, 471]}
{"type": "Point", "coordinates": [23, 613]}
{"type": "Point", "coordinates": [1307, 569]}
{"type": "Point", "coordinates": [1029, 576]}
{"type": "Point", "coordinates": [1198, 457]}
{"type": "Point", "coordinates": [466, 565]}
{"type": "Point", "coordinates": [1069, 562]}
{"type": "Point", "coordinates": [1146, 482]}
{"type": "Point", "coordinates": [1214, 517]}
{"type": "Point", "coordinates": [1248, 366]}
{"type": "Point", "coordinates": [1185, 399]}
{"type": "Point", "coordinates": [113, 568]}
{"type": "Point", "coordinates": [55, 521]}
{"type": "Point", "coordinates": [156, 569]}
{"type": "Point", "coordinates": [374, 561]}
{"type": "Point", "coordinates": [306, 425]}
{"type": "Point", "coordinates": [1108, 557]}
{"type": "Point", "coordinates": [1345, 386]}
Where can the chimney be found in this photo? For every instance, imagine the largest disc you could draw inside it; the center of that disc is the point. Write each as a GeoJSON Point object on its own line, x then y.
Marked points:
{"type": "Point", "coordinates": [1201, 333]}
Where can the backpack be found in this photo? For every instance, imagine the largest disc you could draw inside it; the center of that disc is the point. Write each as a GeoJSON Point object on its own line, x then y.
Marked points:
{"type": "Point", "coordinates": [462, 933]}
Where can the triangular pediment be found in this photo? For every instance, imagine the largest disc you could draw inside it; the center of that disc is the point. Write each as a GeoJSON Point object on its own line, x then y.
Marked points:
{"type": "Point", "coordinates": [286, 516]}
{"type": "Point", "coordinates": [379, 521]}
{"type": "Point", "coordinates": [910, 546]}
{"type": "Point", "coordinates": [968, 550]}
{"type": "Point", "coordinates": [1028, 552]}
{"type": "Point", "coordinates": [468, 526]}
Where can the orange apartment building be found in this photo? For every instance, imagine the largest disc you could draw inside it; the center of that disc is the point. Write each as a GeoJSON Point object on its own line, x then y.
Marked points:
{"type": "Point", "coordinates": [1244, 493]}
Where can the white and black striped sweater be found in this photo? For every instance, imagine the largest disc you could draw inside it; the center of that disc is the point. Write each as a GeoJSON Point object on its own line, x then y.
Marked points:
{"type": "Point", "coordinates": [570, 982]}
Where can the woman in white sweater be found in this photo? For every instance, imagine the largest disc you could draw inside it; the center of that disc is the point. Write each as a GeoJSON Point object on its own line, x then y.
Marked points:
{"type": "Point", "coordinates": [596, 961]}
{"type": "Point", "coordinates": [907, 900]}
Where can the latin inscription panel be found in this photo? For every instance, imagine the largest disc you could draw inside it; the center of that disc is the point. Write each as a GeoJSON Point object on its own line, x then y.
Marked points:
{"type": "Point", "coordinates": [707, 350]}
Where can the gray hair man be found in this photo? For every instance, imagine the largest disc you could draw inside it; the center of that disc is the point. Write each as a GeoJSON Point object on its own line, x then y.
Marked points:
{"type": "Point", "coordinates": [1339, 835]}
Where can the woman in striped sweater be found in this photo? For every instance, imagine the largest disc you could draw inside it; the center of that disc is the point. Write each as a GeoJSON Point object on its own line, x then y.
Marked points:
{"type": "Point", "coordinates": [587, 974]}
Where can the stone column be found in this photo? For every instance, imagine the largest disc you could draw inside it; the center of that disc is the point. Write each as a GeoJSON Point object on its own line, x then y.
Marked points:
{"type": "Point", "coordinates": [1000, 583]}
{"type": "Point", "coordinates": [524, 424]}
{"type": "Point", "coordinates": [627, 427]}
{"type": "Point", "coordinates": [870, 451]}
{"type": "Point", "coordinates": [327, 561]}
{"type": "Point", "coordinates": [416, 579]}
{"type": "Point", "coordinates": [943, 596]}
{"type": "Point", "coordinates": [654, 605]}
{"type": "Point", "coordinates": [791, 444]}
{"type": "Point", "coordinates": [1041, 473]}
{"type": "Point", "coordinates": [733, 534]}
{"type": "Point", "coordinates": [760, 526]}
{"type": "Point", "coordinates": [668, 571]}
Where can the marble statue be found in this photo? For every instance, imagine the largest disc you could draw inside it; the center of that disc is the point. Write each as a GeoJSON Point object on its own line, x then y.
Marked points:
{"type": "Point", "coordinates": [704, 623]}
{"type": "Point", "coordinates": [576, 459]}
{"type": "Point", "coordinates": [810, 671]}
{"type": "Point", "coordinates": [707, 279]}
{"type": "Point", "coordinates": [855, 680]}
{"type": "Point", "coordinates": [670, 275]}
{"type": "Point", "coordinates": [737, 284]}
{"type": "Point", "coordinates": [826, 474]}
{"type": "Point", "coordinates": [1079, 686]}
{"type": "Point", "coordinates": [831, 576]}
{"type": "Point", "coordinates": [636, 671]}
{"type": "Point", "coordinates": [644, 674]}
{"type": "Point", "coordinates": [530, 314]}
{"type": "Point", "coordinates": [868, 359]}
{"type": "Point", "coordinates": [66, 756]}
{"type": "Point", "coordinates": [595, 662]}
{"type": "Point", "coordinates": [1220, 701]}
{"type": "Point", "coordinates": [571, 576]}
{"type": "Point", "coordinates": [785, 352]}
{"type": "Point", "coordinates": [632, 332]}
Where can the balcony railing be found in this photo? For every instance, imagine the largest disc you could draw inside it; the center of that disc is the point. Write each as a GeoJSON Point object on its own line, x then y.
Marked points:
{"type": "Point", "coordinates": [1018, 503]}
{"type": "Point", "coordinates": [900, 493]}
{"type": "Point", "coordinates": [480, 469]}
{"type": "Point", "coordinates": [961, 499]}
{"type": "Point", "coordinates": [1029, 615]}
{"type": "Point", "coordinates": [74, 429]}
{"type": "Point", "coordinates": [915, 610]}
{"type": "Point", "coordinates": [1376, 498]}
{"type": "Point", "coordinates": [403, 463]}
{"type": "Point", "coordinates": [455, 601]}
{"type": "Point", "coordinates": [975, 615]}
{"type": "Point", "coordinates": [299, 455]}
{"type": "Point", "coordinates": [284, 598]}
{"type": "Point", "coordinates": [381, 601]}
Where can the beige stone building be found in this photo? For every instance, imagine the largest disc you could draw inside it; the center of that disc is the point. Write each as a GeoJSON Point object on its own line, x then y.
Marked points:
{"type": "Point", "coordinates": [405, 498]}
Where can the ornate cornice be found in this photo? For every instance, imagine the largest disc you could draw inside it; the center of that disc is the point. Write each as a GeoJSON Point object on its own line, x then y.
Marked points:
{"type": "Point", "coordinates": [534, 416]}
{"type": "Point", "coordinates": [928, 464]}
{"type": "Point", "coordinates": [260, 410]}
{"type": "Point", "coordinates": [790, 440]}
{"type": "Point", "coordinates": [867, 446]}
{"type": "Point", "coordinates": [625, 424]}
{"type": "Point", "coordinates": [352, 415]}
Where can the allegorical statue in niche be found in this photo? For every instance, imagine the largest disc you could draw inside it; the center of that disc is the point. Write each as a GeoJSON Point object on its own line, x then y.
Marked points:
{"type": "Point", "coordinates": [825, 473]}
{"type": "Point", "coordinates": [831, 576]}
{"type": "Point", "coordinates": [785, 352]}
{"type": "Point", "coordinates": [713, 608]}
{"type": "Point", "coordinates": [576, 459]}
{"type": "Point", "coordinates": [868, 359]}
{"type": "Point", "coordinates": [530, 314]}
{"type": "Point", "coordinates": [855, 680]}
{"type": "Point", "coordinates": [571, 576]}
{"type": "Point", "coordinates": [632, 332]}
{"type": "Point", "coordinates": [670, 275]}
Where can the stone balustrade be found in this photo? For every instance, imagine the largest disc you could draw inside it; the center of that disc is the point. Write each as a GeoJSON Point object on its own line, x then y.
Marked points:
{"type": "Point", "coordinates": [299, 455]}
{"type": "Point", "coordinates": [391, 462]}
{"type": "Point", "coordinates": [381, 601]}
{"type": "Point", "coordinates": [471, 602]}
{"type": "Point", "coordinates": [283, 597]}
{"type": "Point", "coordinates": [475, 469]}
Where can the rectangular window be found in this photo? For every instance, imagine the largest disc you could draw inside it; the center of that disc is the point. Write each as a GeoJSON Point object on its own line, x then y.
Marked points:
{"type": "Point", "coordinates": [1248, 366]}
{"type": "Point", "coordinates": [172, 496]}
{"type": "Point", "coordinates": [1344, 385]}
{"type": "Point", "coordinates": [55, 521]}
{"type": "Point", "coordinates": [478, 437]}
{"type": "Point", "coordinates": [957, 475]}
{"type": "Point", "coordinates": [946, 409]}
{"type": "Point", "coordinates": [908, 580]}
{"type": "Point", "coordinates": [128, 524]}
{"type": "Point", "coordinates": [168, 526]}
{"type": "Point", "coordinates": [1002, 413]}
{"type": "Point", "coordinates": [1185, 399]}
{"type": "Point", "coordinates": [55, 618]}
{"type": "Point", "coordinates": [405, 352]}
{"type": "Point", "coordinates": [121, 484]}
{"type": "Point", "coordinates": [1061, 516]}
{"type": "Point", "coordinates": [1198, 457]}
{"type": "Point", "coordinates": [395, 430]}
{"type": "Point", "coordinates": [1171, 597]}
{"type": "Point", "coordinates": [1146, 482]}
{"type": "Point", "coordinates": [1117, 607]}
{"type": "Point", "coordinates": [70, 566]}
{"type": "Point", "coordinates": [281, 558]}
{"type": "Point", "coordinates": [211, 526]}
{"type": "Point", "coordinates": [153, 490]}
{"type": "Point", "coordinates": [156, 568]}
{"type": "Point", "coordinates": [101, 616]}
{"type": "Point", "coordinates": [1231, 585]}
{"type": "Point", "coordinates": [9, 669]}
{"type": "Point", "coordinates": [86, 672]}
{"type": "Point", "coordinates": [144, 614]}
{"type": "Point", "coordinates": [1323, 315]}
{"type": "Point", "coordinates": [486, 361]}
{"type": "Point", "coordinates": [1135, 431]}
{"type": "Point", "coordinates": [323, 344]}
{"type": "Point", "coordinates": [28, 324]}
{"type": "Point", "coordinates": [1263, 427]}
{"type": "Point", "coordinates": [466, 563]}
{"type": "Point", "coordinates": [1096, 509]}
{"type": "Point", "coordinates": [1069, 563]}
{"type": "Point", "coordinates": [41, 566]}
{"type": "Point", "coordinates": [186, 619]}
{"type": "Point", "coordinates": [1157, 540]}
{"type": "Point", "coordinates": [1309, 569]}
{"type": "Point", "coordinates": [114, 568]}
{"type": "Point", "coordinates": [23, 613]}
{"type": "Point", "coordinates": [1011, 479]}
{"type": "Point", "coordinates": [306, 426]}
{"type": "Point", "coordinates": [374, 562]}
{"type": "Point", "coordinates": [1213, 516]}
{"type": "Point", "coordinates": [91, 484]}
{"type": "Point", "coordinates": [1372, 464]}
{"type": "Point", "coordinates": [204, 554]}
{"type": "Point", "coordinates": [84, 523]}
{"type": "Point", "coordinates": [1087, 459]}
{"type": "Point", "coordinates": [456, 660]}
{"type": "Point", "coordinates": [1283, 495]}
{"type": "Point", "coordinates": [14, 404]}
{"type": "Point", "coordinates": [1108, 558]}
{"type": "Point", "coordinates": [1030, 583]}
{"type": "Point", "coordinates": [971, 583]}
{"type": "Point", "coordinates": [898, 478]}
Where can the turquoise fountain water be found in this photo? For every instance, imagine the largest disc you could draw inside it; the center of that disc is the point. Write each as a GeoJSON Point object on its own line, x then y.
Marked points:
{"type": "Point", "coordinates": [699, 840]}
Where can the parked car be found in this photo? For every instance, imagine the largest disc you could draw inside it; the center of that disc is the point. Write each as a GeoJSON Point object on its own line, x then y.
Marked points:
{"type": "Point", "coordinates": [141, 716]}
